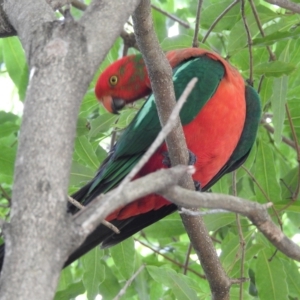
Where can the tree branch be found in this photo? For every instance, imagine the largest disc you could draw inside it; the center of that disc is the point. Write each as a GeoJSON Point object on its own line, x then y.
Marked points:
{"type": "Point", "coordinates": [256, 212]}
{"type": "Point", "coordinates": [286, 4]}
{"type": "Point", "coordinates": [90, 217]}
{"type": "Point", "coordinates": [162, 86]}
{"type": "Point", "coordinates": [172, 17]}
{"type": "Point", "coordinates": [197, 25]}
{"type": "Point", "coordinates": [62, 57]}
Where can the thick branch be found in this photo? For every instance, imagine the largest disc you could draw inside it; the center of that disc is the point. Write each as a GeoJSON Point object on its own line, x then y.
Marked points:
{"type": "Point", "coordinates": [256, 212]}
{"type": "Point", "coordinates": [26, 19]}
{"type": "Point", "coordinates": [62, 58]}
{"type": "Point", "coordinates": [90, 217]}
{"type": "Point", "coordinates": [162, 86]}
{"type": "Point", "coordinates": [286, 4]}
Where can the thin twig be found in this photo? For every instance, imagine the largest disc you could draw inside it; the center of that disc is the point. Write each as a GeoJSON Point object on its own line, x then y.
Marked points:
{"type": "Point", "coordinates": [75, 202]}
{"type": "Point", "coordinates": [129, 282]}
{"type": "Point", "coordinates": [239, 281]}
{"type": "Point", "coordinates": [260, 83]}
{"type": "Point", "coordinates": [4, 193]}
{"type": "Point", "coordinates": [241, 237]}
{"type": "Point", "coordinates": [216, 21]}
{"type": "Point", "coordinates": [129, 41]}
{"type": "Point", "coordinates": [286, 140]}
{"type": "Point", "coordinates": [187, 258]}
{"type": "Point", "coordinates": [172, 17]}
{"type": "Point", "coordinates": [161, 136]}
{"type": "Point", "coordinates": [197, 25]}
{"type": "Point", "coordinates": [250, 80]}
{"type": "Point", "coordinates": [104, 222]}
{"type": "Point", "coordinates": [113, 136]}
{"type": "Point", "coordinates": [271, 54]}
{"type": "Point", "coordinates": [296, 192]}
{"type": "Point", "coordinates": [189, 212]}
{"type": "Point", "coordinates": [170, 259]}
{"type": "Point", "coordinates": [264, 193]}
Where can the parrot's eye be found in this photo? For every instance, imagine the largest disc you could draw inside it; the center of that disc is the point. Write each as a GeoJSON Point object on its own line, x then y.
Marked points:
{"type": "Point", "coordinates": [113, 80]}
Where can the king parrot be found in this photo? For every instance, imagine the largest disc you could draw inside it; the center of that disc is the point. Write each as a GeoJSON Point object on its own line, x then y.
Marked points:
{"type": "Point", "coordinates": [220, 120]}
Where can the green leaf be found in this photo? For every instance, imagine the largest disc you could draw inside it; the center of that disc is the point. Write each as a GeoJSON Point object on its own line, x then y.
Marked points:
{"type": "Point", "coordinates": [86, 152]}
{"type": "Point", "coordinates": [166, 228]}
{"type": "Point", "coordinates": [176, 42]}
{"type": "Point", "coordinates": [23, 83]}
{"type": "Point", "coordinates": [94, 272]}
{"type": "Point", "coordinates": [215, 221]}
{"type": "Point", "coordinates": [8, 128]}
{"type": "Point", "coordinates": [231, 251]}
{"type": "Point", "coordinates": [290, 181]}
{"type": "Point", "coordinates": [293, 277]}
{"type": "Point", "coordinates": [102, 124]}
{"type": "Point", "coordinates": [7, 117]}
{"type": "Point", "coordinates": [274, 68]}
{"type": "Point", "coordinates": [141, 281]}
{"type": "Point", "coordinates": [178, 283]}
{"type": "Point", "coordinates": [15, 62]}
{"type": "Point", "coordinates": [125, 118]}
{"type": "Point", "coordinates": [72, 291]}
{"type": "Point", "coordinates": [89, 104]}
{"type": "Point", "coordinates": [221, 186]}
{"type": "Point", "coordinates": [278, 104]}
{"type": "Point", "coordinates": [278, 99]}
{"type": "Point", "coordinates": [276, 37]}
{"type": "Point", "coordinates": [65, 279]}
{"type": "Point", "coordinates": [82, 126]}
{"type": "Point", "coordinates": [110, 287]}
{"type": "Point", "coordinates": [295, 115]}
{"type": "Point", "coordinates": [156, 290]}
{"type": "Point", "coordinates": [266, 91]}
{"type": "Point", "coordinates": [80, 174]}
{"type": "Point", "coordinates": [212, 12]}
{"type": "Point", "coordinates": [7, 161]}
{"type": "Point", "coordinates": [123, 255]}
{"type": "Point", "coordinates": [270, 277]}
{"type": "Point", "coordinates": [265, 174]}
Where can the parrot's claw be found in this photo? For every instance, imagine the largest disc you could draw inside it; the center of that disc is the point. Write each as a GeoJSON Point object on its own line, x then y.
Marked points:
{"type": "Point", "coordinates": [197, 185]}
{"type": "Point", "coordinates": [192, 158]}
{"type": "Point", "coordinates": [166, 159]}
{"type": "Point", "coordinates": [167, 162]}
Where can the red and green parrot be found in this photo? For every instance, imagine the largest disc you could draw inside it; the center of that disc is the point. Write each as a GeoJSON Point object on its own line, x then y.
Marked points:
{"type": "Point", "coordinates": [220, 120]}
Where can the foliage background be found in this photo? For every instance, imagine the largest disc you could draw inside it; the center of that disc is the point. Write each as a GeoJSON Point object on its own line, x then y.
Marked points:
{"type": "Point", "coordinates": [159, 255]}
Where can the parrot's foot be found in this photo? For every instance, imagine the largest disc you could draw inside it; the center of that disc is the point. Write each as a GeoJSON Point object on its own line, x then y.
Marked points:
{"type": "Point", "coordinates": [192, 158]}
{"type": "Point", "coordinates": [167, 162]}
{"type": "Point", "coordinates": [197, 185]}
{"type": "Point", "coordinates": [166, 159]}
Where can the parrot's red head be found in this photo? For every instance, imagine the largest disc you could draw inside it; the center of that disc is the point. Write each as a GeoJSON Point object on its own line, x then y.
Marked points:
{"type": "Point", "coordinates": [125, 81]}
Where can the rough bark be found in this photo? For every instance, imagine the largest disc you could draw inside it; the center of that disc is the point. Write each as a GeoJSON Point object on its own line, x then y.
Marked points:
{"type": "Point", "coordinates": [62, 58]}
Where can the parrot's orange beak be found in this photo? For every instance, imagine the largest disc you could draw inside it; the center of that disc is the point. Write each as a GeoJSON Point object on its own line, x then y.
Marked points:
{"type": "Point", "coordinates": [112, 105]}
